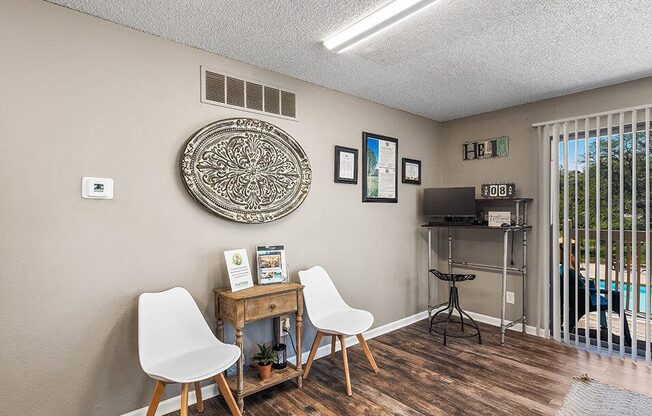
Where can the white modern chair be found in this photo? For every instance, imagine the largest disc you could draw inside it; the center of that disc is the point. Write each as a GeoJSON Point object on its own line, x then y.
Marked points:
{"type": "Point", "coordinates": [175, 345]}
{"type": "Point", "coordinates": [331, 316]}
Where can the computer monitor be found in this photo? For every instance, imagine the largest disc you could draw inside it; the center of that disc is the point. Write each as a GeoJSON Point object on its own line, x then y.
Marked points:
{"type": "Point", "coordinates": [449, 202]}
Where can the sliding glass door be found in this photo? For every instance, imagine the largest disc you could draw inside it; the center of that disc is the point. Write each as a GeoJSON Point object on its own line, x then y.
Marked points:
{"type": "Point", "coordinates": [598, 243]}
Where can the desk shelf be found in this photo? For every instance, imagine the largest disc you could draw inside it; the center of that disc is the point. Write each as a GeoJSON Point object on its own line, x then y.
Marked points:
{"type": "Point", "coordinates": [477, 226]}
{"type": "Point", "coordinates": [502, 200]}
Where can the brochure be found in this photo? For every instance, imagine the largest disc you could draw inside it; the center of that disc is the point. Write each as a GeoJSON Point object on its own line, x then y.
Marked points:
{"type": "Point", "coordinates": [237, 264]}
{"type": "Point", "coordinates": [272, 267]}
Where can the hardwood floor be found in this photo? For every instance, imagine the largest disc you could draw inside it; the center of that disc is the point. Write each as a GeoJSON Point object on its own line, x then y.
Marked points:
{"type": "Point", "coordinates": [419, 376]}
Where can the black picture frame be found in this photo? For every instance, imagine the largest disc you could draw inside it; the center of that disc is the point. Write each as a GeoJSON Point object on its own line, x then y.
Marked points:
{"type": "Point", "coordinates": [336, 173]}
{"type": "Point", "coordinates": [368, 188]}
{"type": "Point", "coordinates": [404, 163]}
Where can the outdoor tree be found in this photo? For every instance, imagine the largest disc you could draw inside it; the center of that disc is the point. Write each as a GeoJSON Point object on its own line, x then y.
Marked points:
{"type": "Point", "coordinates": [586, 170]}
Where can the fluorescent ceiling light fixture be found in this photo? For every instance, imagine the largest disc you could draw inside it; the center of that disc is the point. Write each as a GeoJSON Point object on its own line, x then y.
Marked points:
{"type": "Point", "coordinates": [383, 18]}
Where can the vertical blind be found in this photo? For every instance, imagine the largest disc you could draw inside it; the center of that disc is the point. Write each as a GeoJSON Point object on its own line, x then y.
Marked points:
{"type": "Point", "coordinates": [594, 233]}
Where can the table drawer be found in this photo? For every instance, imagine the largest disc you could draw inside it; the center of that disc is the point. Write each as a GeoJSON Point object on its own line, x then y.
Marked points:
{"type": "Point", "coordinates": [267, 306]}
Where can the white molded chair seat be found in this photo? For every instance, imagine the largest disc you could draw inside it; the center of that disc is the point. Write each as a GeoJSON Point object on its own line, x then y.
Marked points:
{"type": "Point", "coordinates": [327, 310]}
{"type": "Point", "coordinates": [331, 316]}
{"type": "Point", "coordinates": [345, 322]}
{"type": "Point", "coordinates": [195, 365]}
{"type": "Point", "coordinates": [175, 345]}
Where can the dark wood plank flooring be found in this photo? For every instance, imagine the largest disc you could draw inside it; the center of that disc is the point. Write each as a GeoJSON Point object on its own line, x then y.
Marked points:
{"type": "Point", "coordinates": [419, 376]}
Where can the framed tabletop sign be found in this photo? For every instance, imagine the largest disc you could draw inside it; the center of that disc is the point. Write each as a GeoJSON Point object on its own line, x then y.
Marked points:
{"type": "Point", "coordinates": [271, 264]}
{"type": "Point", "coordinates": [346, 165]}
{"type": "Point", "coordinates": [379, 167]}
{"type": "Point", "coordinates": [411, 171]}
{"type": "Point", "coordinates": [237, 266]}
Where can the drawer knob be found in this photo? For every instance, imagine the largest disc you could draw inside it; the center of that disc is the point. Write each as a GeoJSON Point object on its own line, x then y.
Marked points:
{"type": "Point", "coordinates": [272, 306]}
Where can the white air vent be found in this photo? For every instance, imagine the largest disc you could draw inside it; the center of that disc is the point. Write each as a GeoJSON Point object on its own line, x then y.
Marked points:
{"type": "Point", "coordinates": [220, 88]}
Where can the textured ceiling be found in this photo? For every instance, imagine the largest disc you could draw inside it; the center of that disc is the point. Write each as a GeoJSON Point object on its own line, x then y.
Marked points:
{"type": "Point", "coordinates": [454, 59]}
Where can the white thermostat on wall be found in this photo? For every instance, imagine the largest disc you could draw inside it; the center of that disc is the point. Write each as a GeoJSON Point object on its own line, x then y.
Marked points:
{"type": "Point", "coordinates": [97, 188]}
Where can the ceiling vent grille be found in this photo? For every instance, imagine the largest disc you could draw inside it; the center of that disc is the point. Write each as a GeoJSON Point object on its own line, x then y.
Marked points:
{"type": "Point", "coordinates": [288, 104]}
{"type": "Point", "coordinates": [215, 87]}
{"type": "Point", "coordinates": [235, 92]}
{"type": "Point", "coordinates": [254, 96]}
{"type": "Point", "coordinates": [272, 100]}
{"type": "Point", "coordinates": [219, 88]}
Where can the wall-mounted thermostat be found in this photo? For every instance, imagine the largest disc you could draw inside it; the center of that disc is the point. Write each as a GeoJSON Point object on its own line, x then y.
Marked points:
{"type": "Point", "coordinates": [97, 188]}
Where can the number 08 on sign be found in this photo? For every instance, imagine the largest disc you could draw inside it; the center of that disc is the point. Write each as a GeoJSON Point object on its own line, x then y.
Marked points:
{"type": "Point", "coordinates": [498, 190]}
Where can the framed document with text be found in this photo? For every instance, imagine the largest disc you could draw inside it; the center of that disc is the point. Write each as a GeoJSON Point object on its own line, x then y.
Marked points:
{"type": "Point", "coordinates": [346, 165]}
{"type": "Point", "coordinates": [411, 171]}
{"type": "Point", "coordinates": [379, 168]}
{"type": "Point", "coordinates": [237, 266]}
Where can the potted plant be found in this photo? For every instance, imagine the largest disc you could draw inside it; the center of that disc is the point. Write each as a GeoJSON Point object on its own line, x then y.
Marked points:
{"type": "Point", "coordinates": [265, 358]}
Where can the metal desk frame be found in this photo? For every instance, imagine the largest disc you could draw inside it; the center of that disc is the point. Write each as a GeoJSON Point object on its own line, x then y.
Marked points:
{"type": "Point", "coordinates": [522, 226]}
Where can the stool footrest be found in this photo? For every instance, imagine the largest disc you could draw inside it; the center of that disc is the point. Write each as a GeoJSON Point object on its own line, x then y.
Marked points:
{"type": "Point", "coordinates": [454, 305]}
{"type": "Point", "coordinates": [445, 331]}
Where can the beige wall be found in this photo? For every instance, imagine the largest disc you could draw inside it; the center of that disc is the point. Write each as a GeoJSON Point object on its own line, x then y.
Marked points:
{"type": "Point", "coordinates": [84, 97]}
{"type": "Point", "coordinates": [483, 295]}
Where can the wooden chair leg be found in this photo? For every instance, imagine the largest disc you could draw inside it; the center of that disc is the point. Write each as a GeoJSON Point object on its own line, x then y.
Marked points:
{"type": "Point", "coordinates": [156, 398]}
{"type": "Point", "coordinates": [345, 360]}
{"type": "Point", "coordinates": [200, 402]}
{"type": "Point", "coordinates": [333, 338]}
{"type": "Point", "coordinates": [184, 400]}
{"type": "Point", "coordinates": [226, 393]}
{"type": "Point", "coordinates": [313, 351]}
{"type": "Point", "coordinates": [367, 352]}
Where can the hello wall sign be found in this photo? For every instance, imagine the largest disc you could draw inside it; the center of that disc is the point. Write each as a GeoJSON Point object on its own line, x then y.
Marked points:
{"type": "Point", "coordinates": [486, 149]}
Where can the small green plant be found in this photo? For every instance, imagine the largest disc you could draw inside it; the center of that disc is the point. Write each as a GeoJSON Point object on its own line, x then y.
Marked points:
{"type": "Point", "coordinates": [266, 356]}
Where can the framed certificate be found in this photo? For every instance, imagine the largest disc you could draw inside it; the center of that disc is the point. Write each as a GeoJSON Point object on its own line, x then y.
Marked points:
{"type": "Point", "coordinates": [411, 171]}
{"type": "Point", "coordinates": [379, 168]}
{"type": "Point", "coordinates": [346, 165]}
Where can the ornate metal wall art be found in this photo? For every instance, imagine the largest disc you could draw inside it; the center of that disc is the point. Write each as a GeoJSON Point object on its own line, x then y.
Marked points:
{"type": "Point", "coordinates": [246, 170]}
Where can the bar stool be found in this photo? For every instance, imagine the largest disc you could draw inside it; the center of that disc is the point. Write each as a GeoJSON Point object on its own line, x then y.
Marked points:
{"type": "Point", "coordinates": [453, 304]}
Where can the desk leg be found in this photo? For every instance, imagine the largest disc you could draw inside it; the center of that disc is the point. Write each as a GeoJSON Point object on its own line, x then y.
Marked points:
{"type": "Point", "coordinates": [240, 368]}
{"type": "Point", "coordinates": [427, 276]}
{"type": "Point", "coordinates": [524, 276]}
{"type": "Point", "coordinates": [299, 325]}
{"type": "Point", "coordinates": [503, 289]}
{"type": "Point", "coordinates": [450, 250]}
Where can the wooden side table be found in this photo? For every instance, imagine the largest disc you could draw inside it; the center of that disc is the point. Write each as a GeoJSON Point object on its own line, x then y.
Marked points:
{"type": "Point", "coordinates": [254, 304]}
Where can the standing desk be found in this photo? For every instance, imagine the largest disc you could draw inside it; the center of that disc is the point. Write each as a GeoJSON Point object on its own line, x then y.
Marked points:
{"type": "Point", "coordinates": [521, 226]}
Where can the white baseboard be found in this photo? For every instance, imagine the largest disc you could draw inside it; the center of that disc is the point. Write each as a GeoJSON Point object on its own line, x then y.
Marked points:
{"type": "Point", "coordinates": [486, 319]}
{"type": "Point", "coordinates": [174, 403]}
{"type": "Point", "coordinates": [325, 350]}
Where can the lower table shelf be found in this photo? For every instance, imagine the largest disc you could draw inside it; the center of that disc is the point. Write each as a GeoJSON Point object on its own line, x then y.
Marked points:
{"type": "Point", "coordinates": [253, 383]}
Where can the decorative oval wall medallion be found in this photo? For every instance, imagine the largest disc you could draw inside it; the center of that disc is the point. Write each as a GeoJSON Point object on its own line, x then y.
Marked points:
{"type": "Point", "coordinates": [246, 170]}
